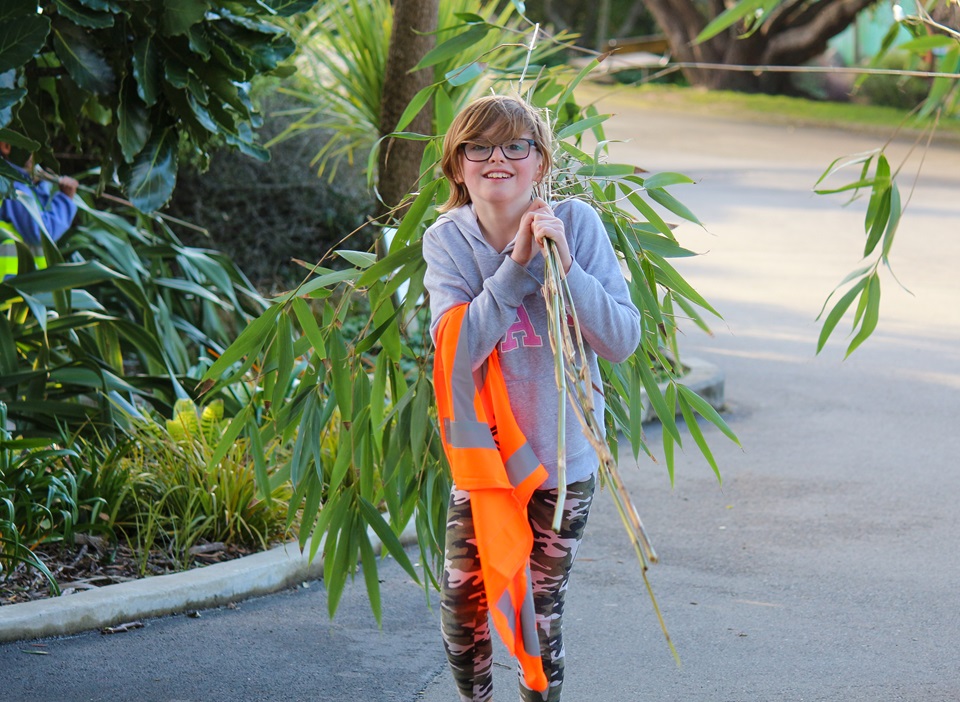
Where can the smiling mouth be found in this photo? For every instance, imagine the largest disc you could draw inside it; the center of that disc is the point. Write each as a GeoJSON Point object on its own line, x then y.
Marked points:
{"type": "Point", "coordinates": [499, 175]}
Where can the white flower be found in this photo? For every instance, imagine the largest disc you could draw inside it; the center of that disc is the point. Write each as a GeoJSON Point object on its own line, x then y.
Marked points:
{"type": "Point", "coordinates": [898, 14]}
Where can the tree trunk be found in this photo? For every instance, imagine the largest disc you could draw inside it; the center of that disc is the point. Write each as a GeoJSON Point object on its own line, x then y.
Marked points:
{"type": "Point", "coordinates": [681, 21]}
{"type": "Point", "coordinates": [795, 32]}
{"type": "Point", "coordinates": [414, 22]}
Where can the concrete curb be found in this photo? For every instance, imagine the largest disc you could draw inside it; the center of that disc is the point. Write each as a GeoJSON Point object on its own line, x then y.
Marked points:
{"type": "Point", "coordinates": [201, 588]}
{"type": "Point", "coordinates": [704, 378]}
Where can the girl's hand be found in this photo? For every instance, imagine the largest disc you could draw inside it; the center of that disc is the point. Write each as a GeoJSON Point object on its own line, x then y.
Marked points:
{"type": "Point", "coordinates": [538, 224]}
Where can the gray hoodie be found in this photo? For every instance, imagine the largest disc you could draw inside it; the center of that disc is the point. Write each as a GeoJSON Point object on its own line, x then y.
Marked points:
{"type": "Point", "coordinates": [507, 311]}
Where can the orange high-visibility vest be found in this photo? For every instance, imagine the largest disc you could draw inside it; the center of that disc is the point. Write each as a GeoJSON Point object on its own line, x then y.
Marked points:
{"type": "Point", "coordinates": [490, 458]}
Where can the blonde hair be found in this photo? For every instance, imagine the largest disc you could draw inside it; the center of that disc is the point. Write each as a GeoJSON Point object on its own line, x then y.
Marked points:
{"type": "Point", "coordinates": [495, 119]}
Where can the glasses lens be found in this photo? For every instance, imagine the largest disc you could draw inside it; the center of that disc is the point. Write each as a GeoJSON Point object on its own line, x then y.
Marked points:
{"type": "Point", "coordinates": [477, 152]}
{"type": "Point", "coordinates": [517, 149]}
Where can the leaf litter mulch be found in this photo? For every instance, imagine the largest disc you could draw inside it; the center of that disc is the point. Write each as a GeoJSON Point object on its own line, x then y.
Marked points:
{"type": "Point", "coordinates": [94, 563]}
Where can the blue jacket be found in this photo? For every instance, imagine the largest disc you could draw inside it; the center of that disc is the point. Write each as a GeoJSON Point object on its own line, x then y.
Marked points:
{"type": "Point", "coordinates": [57, 211]}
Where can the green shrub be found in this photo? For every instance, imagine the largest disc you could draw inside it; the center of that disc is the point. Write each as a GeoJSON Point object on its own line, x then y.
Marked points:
{"type": "Point", "coordinates": [902, 92]}
{"type": "Point", "coordinates": [123, 314]}
{"type": "Point", "coordinates": [194, 483]}
{"type": "Point", "coordinates": [265, 214]}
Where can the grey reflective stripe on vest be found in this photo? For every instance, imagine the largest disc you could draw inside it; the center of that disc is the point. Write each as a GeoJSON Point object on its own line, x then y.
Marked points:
{"type": "Point", "coordinates": [461, 379]}
{"type": "Point", "coordinates": [467, 434]}
{"type": "Point", "coordinates": [8, 250]}
{"type": "Point", "coordinates": [528, 618]}
{"type": "Point", "coordinates": [521, 464]}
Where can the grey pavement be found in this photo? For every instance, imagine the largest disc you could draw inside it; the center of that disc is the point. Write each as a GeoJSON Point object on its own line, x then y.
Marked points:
{"type": "Point", "coordinates": [824, 568]}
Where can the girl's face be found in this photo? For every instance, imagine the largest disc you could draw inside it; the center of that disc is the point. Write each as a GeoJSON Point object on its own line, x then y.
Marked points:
{"type": "Point", "coordinates": [499, 180]}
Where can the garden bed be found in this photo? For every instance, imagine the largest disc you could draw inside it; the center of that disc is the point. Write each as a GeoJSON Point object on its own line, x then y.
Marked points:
{"type": "Point", "coordinates": [93, 563]}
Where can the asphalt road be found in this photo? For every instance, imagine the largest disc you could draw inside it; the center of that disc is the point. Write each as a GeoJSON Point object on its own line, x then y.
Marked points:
{"type": "Point", "coordinates": [824, 568]}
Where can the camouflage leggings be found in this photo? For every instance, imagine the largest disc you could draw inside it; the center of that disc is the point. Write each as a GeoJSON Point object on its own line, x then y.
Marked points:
{"type": "Point", "coordinates": [463, 604]}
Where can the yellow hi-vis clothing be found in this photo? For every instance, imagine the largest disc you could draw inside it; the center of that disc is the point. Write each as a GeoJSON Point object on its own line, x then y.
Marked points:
{"type": "Point", "coordinates": [9, 263]}
{"type": "Point", "coordinates": [490, 458]}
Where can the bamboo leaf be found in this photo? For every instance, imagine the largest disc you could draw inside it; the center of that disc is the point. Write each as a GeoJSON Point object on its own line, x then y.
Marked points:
{"type": "Point", "coordinates": [646, 210]}
{"type": "Point", "coordinates": [943, 85]}
{"type": "Point", "coordinates": [249, 343]}
{"type": "Point", "coordinates": [386, 332]}
{"type": "Point", "coordinates": [669, 442]}
{"type": "Point", "coordinates": [413, 108]}
{"type": "Point", "coordinates": [341, 562]}
{"type": "Point", "coordinates": [368, 562]}
{"type": "Point", "coordinates": [454, 46]}
{"type": "Point", "coordinates": [259, 461]}
{"type": "Point", "coordinates": [568, 91]}
{"type": "Point", "coordinates": [342, 462]}
{"type": "Point", "coordinates": [729, 17]}
{"type": "Point", "coordinates": [636, 412]}
{"type": "Point", "coordinates": [673, 204]}
{"type": "Point", "coordinates": [316, 518]}
{"type": "Point", "coordinates": [420, 419]}
{"type": "Point", "coordinates": [837, 313]}
{"type": "Point", "coordinates": [880, 217]}
{"type": "Point", "coordinates": [655, 396]}
{"type": "Point", "coordinates": [922, 45]}
{"type": "Point", "coordinates": [361, 259]}
{"type": "Point", "coordinates": [839, 164]}
{"type": "Point", "coordinates": [378, 390]}
{"type": "Point", "coordinates": [706, 410]}
{"type": "Point", "coordinates": [465, 74]}
{"type": "Point", "coordinates": [580, 126]}
{"type": "Point", "coordinates": [284, 341]}
{"type": "Point", "coordinates": [871, 314]}
{"type": "Point", "coordinates": [309, 326]}
{"type": "Point", "coordinates": [894, 220]}
{"type": "Point", "coordinates": [341, 373]}
{"type": "Point", "coordinates": [229, 437]}
{"type": "Point", "coordinates": [325, 280]}
{"type": "Point", "coordinates": [387, 537]}
{"type": "Point", "coordinates": [677, 283]}
{"type": "Point", "coordinates": [665, 179]}
{"type": "Point", "coordinates": [413, 218]}
{"type": "Point", "coordinates": [697, 435]}
{"type": "Point", "coordinates": [605, 170]}
{"type": "Point", "coordinates": [391, 263]}
{"type": "Point", "coordinates": [855, 185]}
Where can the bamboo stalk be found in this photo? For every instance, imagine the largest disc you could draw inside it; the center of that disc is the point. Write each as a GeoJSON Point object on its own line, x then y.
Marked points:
{"type": "Point", "coordinates": [566, 342]}
{"type": "Point", "coordinates": [555, 320]}
{"type": "Point", "coordinates": [563, 339]}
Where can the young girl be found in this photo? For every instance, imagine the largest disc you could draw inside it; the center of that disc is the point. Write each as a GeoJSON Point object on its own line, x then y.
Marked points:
{"type": "Point", "coordinates": [484, 260]}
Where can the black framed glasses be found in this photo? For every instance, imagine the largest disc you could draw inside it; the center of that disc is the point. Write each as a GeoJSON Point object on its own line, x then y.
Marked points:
{"type": "Point", "coordinates": [515, 150]}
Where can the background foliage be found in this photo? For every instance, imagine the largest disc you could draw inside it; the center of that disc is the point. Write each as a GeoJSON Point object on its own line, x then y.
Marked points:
{"type": "Point", "coordinates": [263, 215]}
{"type": "Point", "coordinates": [127, 84]}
